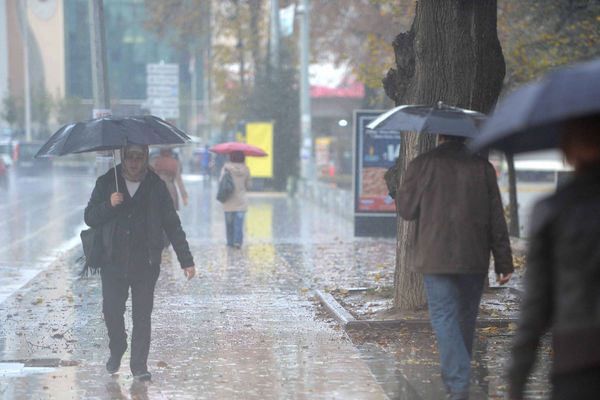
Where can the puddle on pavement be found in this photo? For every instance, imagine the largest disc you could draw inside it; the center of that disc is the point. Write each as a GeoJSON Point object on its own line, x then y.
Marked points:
{"type": "Point", "coordinates": [14, 369]}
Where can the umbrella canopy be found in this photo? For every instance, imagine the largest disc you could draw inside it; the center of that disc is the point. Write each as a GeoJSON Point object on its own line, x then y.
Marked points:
{"type": "Point", "coordinates": [440, 119]}
{"type": "Point", "coordinates": [230, 147]}
{"type": "Point", "coordinates": [531, 117]}
{"type": "Point", "coordinates": [111, 133]}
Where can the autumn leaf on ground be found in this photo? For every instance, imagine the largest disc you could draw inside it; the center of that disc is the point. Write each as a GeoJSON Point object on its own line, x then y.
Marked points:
{"type": "Point", "coordinates": [491, 330]}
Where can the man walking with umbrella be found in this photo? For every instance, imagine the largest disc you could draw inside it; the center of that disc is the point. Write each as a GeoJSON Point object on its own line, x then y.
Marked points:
{"type": "Point", "coordinates": [455, 198]}
{"type": "Point", "coordinates": [130, 207]}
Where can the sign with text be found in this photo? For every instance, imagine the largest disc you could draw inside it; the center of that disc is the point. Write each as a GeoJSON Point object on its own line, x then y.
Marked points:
{"type": "Point", "coordinates": [162, 90]}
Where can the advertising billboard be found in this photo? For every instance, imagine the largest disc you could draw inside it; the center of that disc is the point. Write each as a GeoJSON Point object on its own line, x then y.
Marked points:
{"type": "Point", "coordinates": [260, 134]}
{"type": "Point", "coordinates": [375, 153]}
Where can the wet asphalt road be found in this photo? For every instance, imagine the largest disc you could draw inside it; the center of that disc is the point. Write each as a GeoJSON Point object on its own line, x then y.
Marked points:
{"type": "Point", "coordinates": [41, 215]}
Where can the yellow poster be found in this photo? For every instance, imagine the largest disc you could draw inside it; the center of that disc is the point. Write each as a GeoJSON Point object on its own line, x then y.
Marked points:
{"type": "Point", "coordinates": [260, 134]}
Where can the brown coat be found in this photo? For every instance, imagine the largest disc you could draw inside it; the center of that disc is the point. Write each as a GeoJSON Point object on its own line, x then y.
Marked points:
{"type": "Point", "coordinates": [241, 180]}
{"type": "Point", "coordinates": [455, 197]}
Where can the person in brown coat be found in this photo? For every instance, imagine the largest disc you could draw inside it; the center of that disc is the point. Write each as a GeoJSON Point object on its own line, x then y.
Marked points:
{"type": "Point", "coordinates": [454, 197]}
{"type": "Point", "coordinates": [236, 205]}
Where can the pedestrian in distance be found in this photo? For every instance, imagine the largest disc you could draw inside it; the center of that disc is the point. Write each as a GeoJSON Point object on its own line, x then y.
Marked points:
{"type": "Point", "coordinates": [168, 168]}
{"type": "Point", "coordinates": [562, 279]}
{"type": "Point", "coordinates": [206, 163]}
{"type": "Point", "coordinates": [236, 205]}
{"type": "Point", "coordinates": [455, 199]}
{"type": "Point", "coordinates": [130, 222]}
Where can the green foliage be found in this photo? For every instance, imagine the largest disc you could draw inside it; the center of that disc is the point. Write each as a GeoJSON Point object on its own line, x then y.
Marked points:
{"type": "Point", "coordinates": [12, 111]}
{"type": "Point", "coordinates": [360, 33]}
{"type": "Point", "coordinates": [70, 109]}
{"type": "Point", "coordinates": [42, 104]}
{"type": "Point", "coordinates": [539, 36]}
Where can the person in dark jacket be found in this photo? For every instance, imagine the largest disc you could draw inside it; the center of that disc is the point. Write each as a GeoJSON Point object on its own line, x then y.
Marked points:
{"type": "Point", "coordinates": [562, 280]}
{"type": "Point", "coordinates": [131, 222]}
{"type": "Point", "coordinates": [455, 198]}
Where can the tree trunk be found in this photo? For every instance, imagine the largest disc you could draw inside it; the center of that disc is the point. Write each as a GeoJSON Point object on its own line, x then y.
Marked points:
{"type": "Point", "coordinates": [452, 54]}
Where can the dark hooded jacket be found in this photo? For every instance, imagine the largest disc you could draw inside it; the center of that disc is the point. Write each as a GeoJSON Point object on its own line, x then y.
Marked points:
{"type": "Point", "coordinates": [562, 282]}
{"type": "Point", "coordinates": [455, 197]}
{"type": "Point", "coordinates": [133, 231]}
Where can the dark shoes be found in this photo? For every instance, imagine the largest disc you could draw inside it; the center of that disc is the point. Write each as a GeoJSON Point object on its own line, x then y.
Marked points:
{"type": "Point", "coordinates": [113, 364]}
{"type": "Point", "coordinates": [142, 376]}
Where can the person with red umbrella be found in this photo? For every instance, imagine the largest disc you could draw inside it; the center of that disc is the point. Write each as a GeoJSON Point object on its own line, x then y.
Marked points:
{"type": "Point", "coordinates": [236, 205]}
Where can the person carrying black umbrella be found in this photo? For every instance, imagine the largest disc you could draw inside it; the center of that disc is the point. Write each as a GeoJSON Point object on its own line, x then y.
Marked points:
{"type": "Point", "coordinates": [562, 285]}
{"type": "Point", "coordinates": [130, 222]}
{"type": "Point", "coordinates": [455, 198]}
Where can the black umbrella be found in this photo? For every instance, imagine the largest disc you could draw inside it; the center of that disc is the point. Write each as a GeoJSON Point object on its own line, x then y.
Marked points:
{"type": "Point", "coordinates": [530, 118]}
{"type": "Point", "coordinates": [440, 119]}
{"type": "Point", "coordinates": [111, 133]}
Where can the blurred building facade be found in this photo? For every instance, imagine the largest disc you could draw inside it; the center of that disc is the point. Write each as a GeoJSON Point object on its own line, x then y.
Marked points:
{"type": "Point", "coordinates": [59, 54]}
{"type": "Point", "coordinates": [335, 94]}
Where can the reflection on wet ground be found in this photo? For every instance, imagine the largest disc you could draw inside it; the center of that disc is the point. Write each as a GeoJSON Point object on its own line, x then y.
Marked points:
{"type": "Point", "coordinates": [246, 328]}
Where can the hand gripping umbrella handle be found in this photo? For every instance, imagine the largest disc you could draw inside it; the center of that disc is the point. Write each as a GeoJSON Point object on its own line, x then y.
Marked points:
{"type": "Point", "coordinates": [115, 168]}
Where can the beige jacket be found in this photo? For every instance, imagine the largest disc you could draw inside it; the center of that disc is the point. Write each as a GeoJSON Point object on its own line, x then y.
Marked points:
{"type": "Point", "coordinates": [241, 179]}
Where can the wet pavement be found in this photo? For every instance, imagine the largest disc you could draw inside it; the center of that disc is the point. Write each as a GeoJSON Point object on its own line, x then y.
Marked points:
{"type": "Point", "coordinates": [248, 327]}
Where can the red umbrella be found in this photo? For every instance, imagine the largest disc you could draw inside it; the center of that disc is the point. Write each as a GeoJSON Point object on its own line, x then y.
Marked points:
{"type": "Point", "coordinates": [230, 147]}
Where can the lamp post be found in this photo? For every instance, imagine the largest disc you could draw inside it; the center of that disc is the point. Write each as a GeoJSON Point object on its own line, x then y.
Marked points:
{"type": "Point", "coordinates": [99, 74]}
{"type": "Point", "coordinates": [306, 151]}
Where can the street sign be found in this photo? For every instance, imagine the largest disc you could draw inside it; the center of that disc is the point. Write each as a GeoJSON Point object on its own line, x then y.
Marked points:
{"type": "Point", "coordinates": [162, 69]}
{"type": "Point", "coordinates": [163, 80]}
{"type": "Point", "coordinates": [162, 90]}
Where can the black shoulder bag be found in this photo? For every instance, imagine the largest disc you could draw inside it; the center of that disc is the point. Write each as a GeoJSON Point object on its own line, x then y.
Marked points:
{"type": "Point", "coordinates": [226, 187]}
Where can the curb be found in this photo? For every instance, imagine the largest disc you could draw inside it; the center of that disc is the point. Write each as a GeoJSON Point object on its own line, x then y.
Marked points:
{"type": "Point", "coordinates": [347, 321]}
{"type": "Point", "coordinates": [339, 313]}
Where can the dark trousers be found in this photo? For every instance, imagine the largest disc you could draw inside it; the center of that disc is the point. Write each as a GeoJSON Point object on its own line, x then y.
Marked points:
{"type": "Point", "coordinates": [115, 290]}
{"type": "Point", "coordinates": [581, 385]}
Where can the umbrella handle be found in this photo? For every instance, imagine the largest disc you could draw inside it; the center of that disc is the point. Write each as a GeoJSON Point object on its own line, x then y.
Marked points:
{"type": "Point", "coordinates": [115, 168]}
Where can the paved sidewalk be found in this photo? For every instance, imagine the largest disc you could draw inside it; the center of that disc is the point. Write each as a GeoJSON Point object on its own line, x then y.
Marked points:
{"type": "Point", "coordinates": [245, 329]}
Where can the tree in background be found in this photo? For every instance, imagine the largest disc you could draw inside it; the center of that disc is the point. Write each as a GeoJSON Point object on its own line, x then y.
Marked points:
{"type": "Point", "coordinates": [69, 109]}
{"type": "Point", "coordinates": [451, 53]}
{"type": "Point", "coordinates": [541, 35]}
{"type": "Point", "coordinates": [359, 33]}
{"type": "Point", "coordinates": [42, 105]}
{"type": "Point", "coordinates": [12, 111]}
{"type": "Point", "coordinates": [246, 86]}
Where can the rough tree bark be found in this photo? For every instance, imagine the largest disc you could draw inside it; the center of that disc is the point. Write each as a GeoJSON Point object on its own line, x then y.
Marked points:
{"type": "Point", "coordinates": [452, 54]}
